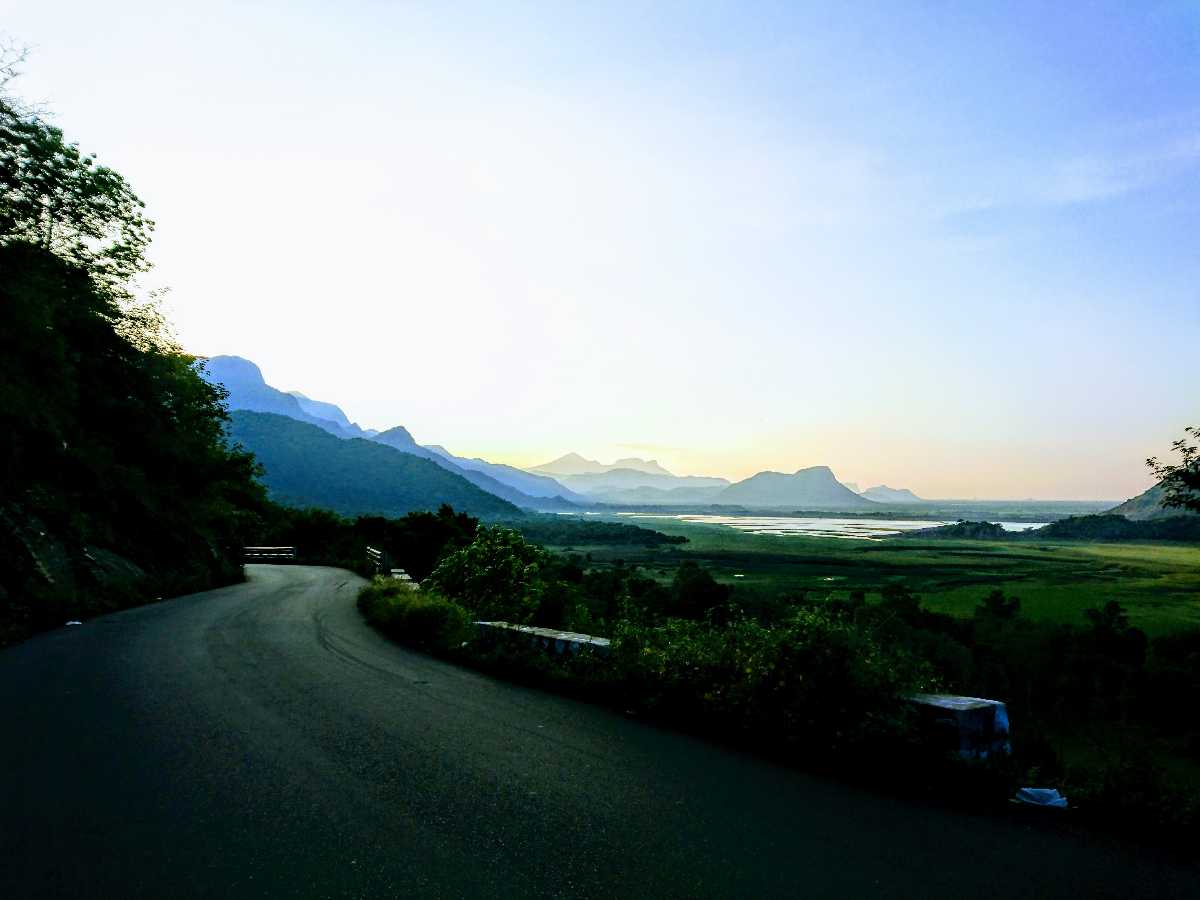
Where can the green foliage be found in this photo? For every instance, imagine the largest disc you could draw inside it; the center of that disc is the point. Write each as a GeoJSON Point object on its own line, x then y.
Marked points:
{"type": "Point", "coordinates": [1118, 528]}
{"type": "Point", "coordinates": [821, 679]}
{"type": "Point", "coordinates": [695, 593]}
{"type": "Point", "coordinates": [570, 531]}
{"type": "Point", "coordinates": [1181, 480]}
{"type": "Point", "coordinates": [419, 541]}
{"type": "Point", "coordinates": [498, 576]}
{"type": "Point", "coordinates": [418, 617]}
{"type": "Point", "coordinates": [1127, 787]}
{"type": "Point", "coordinates": [997, 607]}
{"type": "Point", "coordinates": [108, 443]}
{"type": "Point", "coordinates": [819, 683]}
{"type": "Point", "coordinates": [117, 483]}
{"type": "Point", "coordinates": [57, 198]}
{"type": "Point", "coordinates": [1103, 527]}
{"type": "Point", "coordinates": [415, 542]}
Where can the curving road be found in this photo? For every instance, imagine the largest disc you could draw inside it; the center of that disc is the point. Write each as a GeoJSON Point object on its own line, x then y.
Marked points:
{"type": "Point", "coordinates": [261, 741]}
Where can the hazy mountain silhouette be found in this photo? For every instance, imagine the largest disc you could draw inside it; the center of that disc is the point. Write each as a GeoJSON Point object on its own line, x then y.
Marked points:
{"type": "Point", "coordinates": [649, 466]}
{"type": "Point", "coordinates": [248, 390]}
{"type": "Point", "coordinates": [526, 482]}
{"type": "Point", "coordinates": [596, 483]}
{"type": "Point", "coordinates": [574, 464]}
{"type": "Point", "coordinates": [652, 496]}
{"type": "Point", "coordinates": [333, 413]}
{"type": "Point", "coordinates": [400, 439]}
{"type": "Point", "coordinates": [305, 465]}
{"type": "Point", "coordinates": [811, 488]}
{"type": "Point", "coordinates": [884, 494]}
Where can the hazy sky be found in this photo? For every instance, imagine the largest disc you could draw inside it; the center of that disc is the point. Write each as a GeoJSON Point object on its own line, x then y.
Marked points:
{"type": "Point", "coordinates": [948, 246]}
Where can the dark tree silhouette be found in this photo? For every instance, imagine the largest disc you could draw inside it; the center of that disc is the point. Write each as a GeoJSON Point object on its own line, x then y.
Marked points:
{"type": "Point", "coordinates": [1181, 480]}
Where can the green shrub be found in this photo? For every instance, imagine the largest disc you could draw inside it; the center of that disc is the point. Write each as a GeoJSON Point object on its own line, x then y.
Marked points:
{"type": "Point", "coordinates": [818, 684]}
{"type": "Point", "coordinates": [1129, 790]}
{"type": "Point", "coordinates": [499, 576]}
{"type": "Point", "coordinates": [422, 618]}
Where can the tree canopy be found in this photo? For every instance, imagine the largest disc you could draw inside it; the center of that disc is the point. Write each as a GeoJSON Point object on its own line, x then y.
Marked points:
{"type": "Point", "coordinates": [114, 446]}
{"type": "Point", "coordinates": [54, 196]}
{"type": "Point", "coordinates": [1181, 480]}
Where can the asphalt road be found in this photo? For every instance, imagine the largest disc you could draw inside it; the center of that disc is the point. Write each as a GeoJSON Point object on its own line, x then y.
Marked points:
{"type": "Point", "coordinates": [261, 741]}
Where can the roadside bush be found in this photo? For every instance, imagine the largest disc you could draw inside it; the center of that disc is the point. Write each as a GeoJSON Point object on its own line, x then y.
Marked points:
{"type": "Point", "coordinates": [816, 685]}
{"type": "Point", "coordinates": [498, 576]}
{"type": "Point", "coordinates": [418, 617]}
{"type": "Point", "coordinates": [1128, 789]}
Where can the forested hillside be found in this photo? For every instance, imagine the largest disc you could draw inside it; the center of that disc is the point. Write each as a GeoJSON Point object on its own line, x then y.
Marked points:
{"type": "Point", "coordinates": [117, 483]}
{"type": "Point", "coordinates": [305, 466]}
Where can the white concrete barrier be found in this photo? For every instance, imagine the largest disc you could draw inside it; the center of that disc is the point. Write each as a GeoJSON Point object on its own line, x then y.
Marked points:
{"type": "Point", "coordinates": [547, 639]}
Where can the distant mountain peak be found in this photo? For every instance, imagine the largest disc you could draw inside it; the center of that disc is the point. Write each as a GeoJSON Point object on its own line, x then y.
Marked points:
{"type": "Point", "coordinates": [570, 464]}
{"type": "Point", "coordinates": [574, 464]}
{"type": "Point", "coordinates": [398, 437]}
{"type": "Point", "coordinates": [232, 370]}
{"type": "Point", "coordinates": [881, 493]}
{"type": "Point", "coordinates": [649, 466]}
{"type": "Point", "coordinates": [813, 487]}
{"type": "Point", "coordinates": [815, 470]}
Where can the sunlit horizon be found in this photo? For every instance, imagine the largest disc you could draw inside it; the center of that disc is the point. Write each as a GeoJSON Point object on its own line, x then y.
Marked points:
{"type": "Point", "coordinates": [944, 248]}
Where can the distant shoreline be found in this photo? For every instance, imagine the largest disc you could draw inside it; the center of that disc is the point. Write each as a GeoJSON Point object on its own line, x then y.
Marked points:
{"type": "Point", "coordinates": [933, 510]}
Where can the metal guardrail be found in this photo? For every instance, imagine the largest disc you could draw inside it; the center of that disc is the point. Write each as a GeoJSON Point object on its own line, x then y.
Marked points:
{"type": "Point", "coordinates": [377, 560]}
{"type": "Point", "coordinates": [268, 554]}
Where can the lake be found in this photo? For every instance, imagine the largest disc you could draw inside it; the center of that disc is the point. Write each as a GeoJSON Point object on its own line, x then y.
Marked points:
{"type": "Point", "coordinates": [848, 528]}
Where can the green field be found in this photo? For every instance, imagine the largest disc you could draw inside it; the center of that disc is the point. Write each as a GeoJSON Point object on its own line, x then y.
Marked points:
{"type": "Point", "coordinates": [1158, 583]}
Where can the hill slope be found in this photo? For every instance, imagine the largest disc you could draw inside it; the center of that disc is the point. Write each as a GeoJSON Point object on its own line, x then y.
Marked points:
{"type": "Point", "coordinates": [811, 488]}
{"type": "Point", "coordinates": [306, 466]}
{"type": "Point", "coordinates": [1148, 505]}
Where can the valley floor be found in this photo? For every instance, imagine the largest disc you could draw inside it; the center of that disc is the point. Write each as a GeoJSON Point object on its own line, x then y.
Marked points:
{"type": "Point", "coordinates": [1159, 584]}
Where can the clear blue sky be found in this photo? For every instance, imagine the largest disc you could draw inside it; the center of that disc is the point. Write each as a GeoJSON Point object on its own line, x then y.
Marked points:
{"type": "Point", "coordinates": [947, 246]}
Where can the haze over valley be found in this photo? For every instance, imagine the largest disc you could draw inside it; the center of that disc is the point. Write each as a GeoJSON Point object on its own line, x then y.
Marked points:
{"type": "Point", "coordinates": [573, 483]}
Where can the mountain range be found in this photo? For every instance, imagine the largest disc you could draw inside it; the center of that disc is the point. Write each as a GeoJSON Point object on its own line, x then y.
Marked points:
{"type": "Point", "coordinates": [565, 484]}
{"type": "Point", "coordinates": [574, 464]}
{"type": "Point", "coordinates": [248, 390]}
{"type": "Point", "coordinates": [305, 465]}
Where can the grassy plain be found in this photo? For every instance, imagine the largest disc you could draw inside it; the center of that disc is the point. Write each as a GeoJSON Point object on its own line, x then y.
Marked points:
{"type": "Point", "coordinates": [1159, 584]}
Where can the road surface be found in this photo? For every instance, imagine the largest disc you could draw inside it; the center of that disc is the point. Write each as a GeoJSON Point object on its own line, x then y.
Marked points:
{"type": "Point", "coordinates": [261, 741]}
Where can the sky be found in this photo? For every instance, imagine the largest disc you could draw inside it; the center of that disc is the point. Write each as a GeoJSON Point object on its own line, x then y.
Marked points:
{"type": "Point", "coordinates": [944, 246]}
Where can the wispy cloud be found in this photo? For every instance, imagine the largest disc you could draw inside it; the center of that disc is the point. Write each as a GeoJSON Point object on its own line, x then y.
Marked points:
{"type": "Point", "coordinates": [1022, 195]}
{"type": "Point", "coordinates": [1098, 177]}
